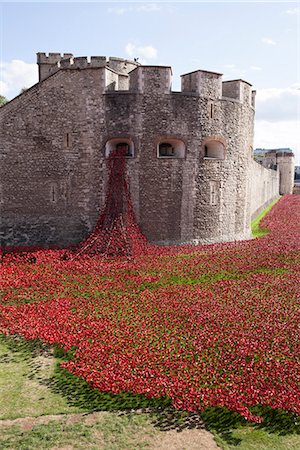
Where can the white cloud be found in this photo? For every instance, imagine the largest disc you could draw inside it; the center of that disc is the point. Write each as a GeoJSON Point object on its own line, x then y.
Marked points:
{"type": "Point", "coordinates": [229, 66]}
{"type": "Point", "coordinates": [274, 104]}
{"type": "Point", "coordinates": [255, 68]}
{"type": "Point", "coordinates": [278, 135]}
{"type": "Point", "coordinates": [16, 75]}
{"type": "Point", "coordinates": [278, 118]}
{"type": "Point", "coordinates": [293, 11]}
{"type": "Point", "coordinates": [268, 41]}
{"type": "Point", "coordinates": [3, 88]}
{"type": "Point", "coordinates": [136, 51]}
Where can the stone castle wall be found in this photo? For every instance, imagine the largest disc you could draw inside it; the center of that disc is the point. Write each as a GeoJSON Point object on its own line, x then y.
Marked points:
{"type": "Point", "coordinates": [263, 186]}
{"type": "Point", "coordinates": [55, 139]}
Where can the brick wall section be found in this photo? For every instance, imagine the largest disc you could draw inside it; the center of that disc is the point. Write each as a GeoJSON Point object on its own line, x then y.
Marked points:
{"type": "Point", "coordinates": [54, 170]}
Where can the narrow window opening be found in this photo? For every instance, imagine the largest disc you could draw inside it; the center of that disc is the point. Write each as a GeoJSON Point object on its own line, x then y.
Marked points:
{"type": "Point", "coordinates": [211, 110]}
{"type": "Point", "coordinates": [213, 193]}
{"type": "Point", "coordinates": [67, 140]}
{"type": "Point", "coordinates": [53, 193]}
{"type": "Point", "coordinates": [64, 190]}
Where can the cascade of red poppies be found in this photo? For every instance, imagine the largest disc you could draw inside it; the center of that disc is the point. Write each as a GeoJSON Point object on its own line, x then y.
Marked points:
{"type": "Point", "coordinates": [116, 232]}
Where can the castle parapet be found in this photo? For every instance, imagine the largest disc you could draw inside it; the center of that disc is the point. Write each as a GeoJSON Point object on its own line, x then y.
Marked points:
{"type": "Point", "coordinates": [239, 90]}
{"type": "Point", "coordinates": [81, 62]}
{"type": "Point", "coordinates": [121, 65]}
{"type": "Point", "coordinates": [55, 61]}
{"type": "Point", "coordinates": [51, 63]}
{"type": "Point", "coordinates": [151, 79]}
{"type": "Point", "coordinates": [98, 61]}
{"type": "Point", "coordinates": [205, 84]}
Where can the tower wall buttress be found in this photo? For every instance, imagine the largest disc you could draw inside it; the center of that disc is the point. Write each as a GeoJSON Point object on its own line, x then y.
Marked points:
{"type": "Point", "coordinates": [204, 83]}
{"type": "Point", "coordinates": [151, 80]}
{"type": "Point", "coordinates": [239, 90]}
{"type": "Point", "coordinates": [286, 168]}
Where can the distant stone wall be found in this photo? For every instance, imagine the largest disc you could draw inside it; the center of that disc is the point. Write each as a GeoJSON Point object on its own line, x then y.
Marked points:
{"type": "Point", "coordinates": [263, 187]}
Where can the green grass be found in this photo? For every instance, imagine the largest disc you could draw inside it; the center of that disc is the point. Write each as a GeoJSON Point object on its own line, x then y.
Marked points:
{"type": "Point", "coordinates": [109, 432]}
{"type": "Point", "coordinates": [280, 430]}
{"type": "Point", "coordinates": [24, 369]}
{"type": "Point", "coordinates": [33, 384]}
{"type": "Point", "coordinates": [249, 438]}
{"type": "Point", "coordinates": [255, 227]}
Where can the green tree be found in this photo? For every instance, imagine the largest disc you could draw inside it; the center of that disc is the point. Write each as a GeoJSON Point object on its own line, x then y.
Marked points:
{"type": "Point", "coordinates": [3, 100]}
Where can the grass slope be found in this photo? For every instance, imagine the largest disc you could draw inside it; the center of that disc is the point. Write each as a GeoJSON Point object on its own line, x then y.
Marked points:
{"type": "Point", "coordinates": [257, 231]}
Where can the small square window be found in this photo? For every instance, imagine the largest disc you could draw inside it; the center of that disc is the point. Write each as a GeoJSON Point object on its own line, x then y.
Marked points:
{"type": "Point", "coordinates": [171, 148]}
{"type": "Point", "coordinates": [166, 149]}
{"type": "Point", "coordinates": [120, 147]}
{"type": "Point", "coordinates": [214, 150]}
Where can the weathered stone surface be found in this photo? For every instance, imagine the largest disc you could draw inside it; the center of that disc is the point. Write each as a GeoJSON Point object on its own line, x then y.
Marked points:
{"type": "Point", "coordinates": [54, 168]}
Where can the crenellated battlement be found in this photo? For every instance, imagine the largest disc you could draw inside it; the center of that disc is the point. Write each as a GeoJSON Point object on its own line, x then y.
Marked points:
{"type": "Point", "coordinates": [51, 63]}
{"type": "Point", "coordinates": [52, 58]}
{"type": "Point", "coordinates": [121, 74]}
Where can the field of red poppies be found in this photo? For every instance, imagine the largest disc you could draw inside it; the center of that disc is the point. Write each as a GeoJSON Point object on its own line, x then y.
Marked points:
{"type": "Point", "coordinates": [213, 325]}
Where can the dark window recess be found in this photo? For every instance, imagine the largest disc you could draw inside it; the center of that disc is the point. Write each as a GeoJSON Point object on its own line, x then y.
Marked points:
{"type": "Point", "coordinates": [67, 140]}
{"type": "Point", "coordinates": [166, 149]}
{"type": "Point", "coordinates": [214, 150]}
{"type": "Point", "coordinates": [211, 111]}
{"type": "Point", "coordinates": [124, 147]}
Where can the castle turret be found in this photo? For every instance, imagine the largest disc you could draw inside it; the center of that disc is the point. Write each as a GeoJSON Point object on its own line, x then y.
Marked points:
{"type": "Point", "coordinates": [50, 64]}
{"type": "Point", "coordinates": [151, 79]}
{"type": "Point", "coordinates": [206, 84]}
{"type": "Point", "coordinates": [239, 90]}
{"type": "Point", "coordinates": [286, 168]}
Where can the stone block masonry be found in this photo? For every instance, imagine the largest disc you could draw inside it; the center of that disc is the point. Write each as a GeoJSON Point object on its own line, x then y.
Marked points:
{"type": "Point", "coordinates": [189, 158]}
{"type": "Point", "coordinates": [263, 187]}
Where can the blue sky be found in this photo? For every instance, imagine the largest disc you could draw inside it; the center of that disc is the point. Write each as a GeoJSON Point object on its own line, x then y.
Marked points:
{"type": "Point", "coordinates": [256, 41]}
